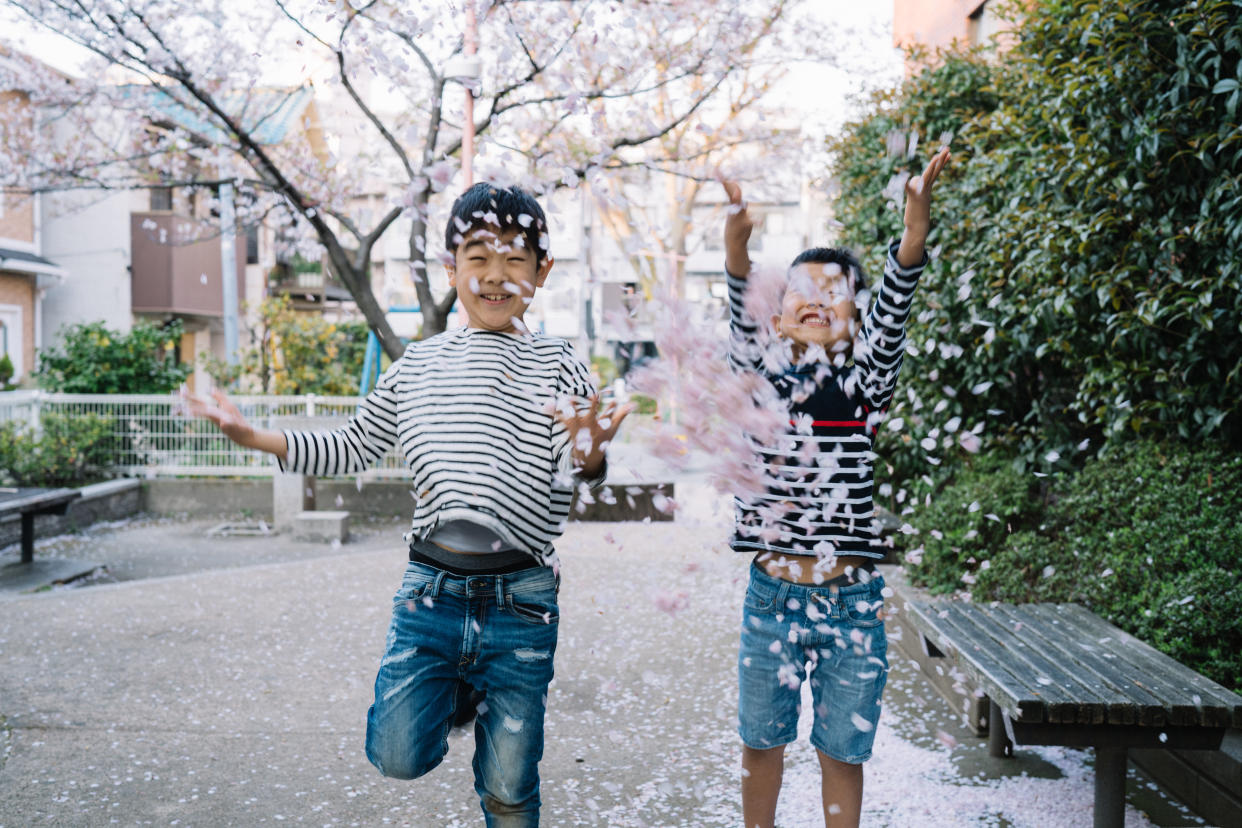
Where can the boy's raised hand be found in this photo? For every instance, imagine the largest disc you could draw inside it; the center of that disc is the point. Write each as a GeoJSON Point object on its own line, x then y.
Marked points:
{"type": "Point", "coordinates": [224, 414]}
{"type": "Point", "coordinates": [918, 191]}
{"type": "Point", "coordinates": [737, 230]}
{"type": "Point", "coordinates": [918, 210]}
{"type": "Point", "coordinates": [591, 430]}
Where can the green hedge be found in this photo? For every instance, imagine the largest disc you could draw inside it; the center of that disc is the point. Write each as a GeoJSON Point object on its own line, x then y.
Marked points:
{"type": "Point", "coordinates": [68, 451]}
{"type": "Point", "coordinates": [1147, 536]}
{"type": "Point", "coordinates": [96, 360]}
{"type": "Point", "coordinates": [1089, 229]}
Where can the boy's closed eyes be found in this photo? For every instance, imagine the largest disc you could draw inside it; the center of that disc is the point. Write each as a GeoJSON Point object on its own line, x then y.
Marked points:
{"type": "Point", "coordinates": [496, 275]}
{"type": "Point", "coordinates": [818, 307]}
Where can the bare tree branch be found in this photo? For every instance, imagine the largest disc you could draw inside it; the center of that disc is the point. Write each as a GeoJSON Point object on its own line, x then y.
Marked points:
{"type": "Point", "coordinates": [366, 110]}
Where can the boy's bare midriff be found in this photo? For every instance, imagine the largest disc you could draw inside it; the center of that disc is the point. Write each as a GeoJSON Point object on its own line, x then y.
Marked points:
{"type": "Point", "coordinates": [800, 569]}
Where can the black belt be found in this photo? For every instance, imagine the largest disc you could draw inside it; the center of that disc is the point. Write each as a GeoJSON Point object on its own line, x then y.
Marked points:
{"type": "Point", "coordinates": [486, 563]}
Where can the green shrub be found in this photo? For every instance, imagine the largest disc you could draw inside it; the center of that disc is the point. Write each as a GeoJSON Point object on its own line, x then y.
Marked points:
{"type": "Point", "coordinates": [96, 360]}
{"type": "Point", "coordinates": [605, 369]}
{"type": "Point", "coordinates": [989, 500]}
{"type": "Point", "coordinates": [69, 450]}
{"type": "Point", "coordinates": [644, 405]}
{"type": "Point", "coordinates": [299, 353]}
{"type": "Point", "coordinates": [1088, 228]}
{"type": "Point", "coordinates": [1146, 536]}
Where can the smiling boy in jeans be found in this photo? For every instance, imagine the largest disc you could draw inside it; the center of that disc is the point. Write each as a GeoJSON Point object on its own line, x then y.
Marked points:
{"type": "Point", "coordinates": [814, 602]}
{"type": "Point", "coordinates": [480, 415]}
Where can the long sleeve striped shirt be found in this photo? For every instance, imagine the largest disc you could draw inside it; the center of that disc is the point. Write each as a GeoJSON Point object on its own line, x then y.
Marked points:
{"type": "Point", "coordinates": [818, 476]}
{"type": "Point", "coordinates": [470, 411]}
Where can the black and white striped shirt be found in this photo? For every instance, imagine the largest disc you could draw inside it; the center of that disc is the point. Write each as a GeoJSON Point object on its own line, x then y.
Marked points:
{"type": "Point", "coordinates": [470, 411]}
{"type": "Point", "coordinates": [818, 476]}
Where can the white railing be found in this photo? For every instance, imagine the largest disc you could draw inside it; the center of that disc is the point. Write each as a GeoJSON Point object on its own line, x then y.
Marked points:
{"type": "Point", "coordinates": [151, 437]}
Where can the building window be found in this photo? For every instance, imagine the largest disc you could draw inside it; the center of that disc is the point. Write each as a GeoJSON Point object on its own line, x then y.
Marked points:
{"type": "Point", "coordinates": [981, 25]}
{"type": "Point", "coordinates": [252, 244]}
{"type": "Point", "coordinates": [11, 338]}
{"type": "Point", "coordinates": [161, 198]}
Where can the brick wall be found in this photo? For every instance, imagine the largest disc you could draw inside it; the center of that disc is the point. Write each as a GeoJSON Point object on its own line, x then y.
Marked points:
{"type": "Point", "coordinates": [16, 206]}
{"type": "Point", "coordinates": [19, 290]}
{"type": "Point", "coordinates": [16, 216]}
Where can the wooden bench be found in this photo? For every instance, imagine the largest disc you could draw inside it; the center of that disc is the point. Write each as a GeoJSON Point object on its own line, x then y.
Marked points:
{"type": "Point", "coordinates": [31, 502]}
{"type": "Point", "coordinates": [1056, 674]}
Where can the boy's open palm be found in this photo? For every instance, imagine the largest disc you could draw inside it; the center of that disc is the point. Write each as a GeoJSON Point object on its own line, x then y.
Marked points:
{"type": "Point", "coordinates": [919, 189]}
{"type": "Point", "coordinates": [591, 429]}
{"type": "Point", "coordinates": [223, 413]}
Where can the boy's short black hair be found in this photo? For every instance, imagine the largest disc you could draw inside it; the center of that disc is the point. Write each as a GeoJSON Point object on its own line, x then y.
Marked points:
{"type": "Point", "coordinates": [502, 209]}
{"type": "Point", "coordinates": [841, 256]}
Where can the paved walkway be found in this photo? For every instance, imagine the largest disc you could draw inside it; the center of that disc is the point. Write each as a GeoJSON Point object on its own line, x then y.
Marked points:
{"type": "Point", "coordinates": [237, 695]}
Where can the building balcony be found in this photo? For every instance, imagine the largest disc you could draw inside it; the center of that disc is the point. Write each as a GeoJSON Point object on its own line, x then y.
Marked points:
{"type": "Point", "coordinates": [175, 270]}
{"type": "Point", "coordinates": [306, 284]}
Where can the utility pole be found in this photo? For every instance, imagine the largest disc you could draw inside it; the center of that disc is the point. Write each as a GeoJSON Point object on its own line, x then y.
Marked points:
{"type": "Point", "coordinates": [467, 138]}
{"type": "Point", "coordinates": [228, 270]}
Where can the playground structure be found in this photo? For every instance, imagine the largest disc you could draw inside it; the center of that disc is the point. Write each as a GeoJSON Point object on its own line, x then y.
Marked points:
{"type": "Point", "coordinates": [371, 360]}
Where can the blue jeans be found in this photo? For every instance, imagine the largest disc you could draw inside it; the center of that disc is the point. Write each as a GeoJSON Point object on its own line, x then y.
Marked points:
{"type": "Point", "coordinates": [835, 634]}
{"type": "Point", "coordinates": [494, 632]}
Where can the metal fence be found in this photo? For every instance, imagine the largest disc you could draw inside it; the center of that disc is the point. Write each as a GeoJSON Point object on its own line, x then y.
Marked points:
{"type": "Point", "coordinates": [150, 435]}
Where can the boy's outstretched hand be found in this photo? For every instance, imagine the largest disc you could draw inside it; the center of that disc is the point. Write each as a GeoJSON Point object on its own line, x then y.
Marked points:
{"type": "Point", "coordinates": [918, 210]}
{"type": "Point", "coordinates": [234, 426]}
{"type": "Point", "coordinates": [590, 431]}
{"type": "Point", "coordinates": [737, 230]}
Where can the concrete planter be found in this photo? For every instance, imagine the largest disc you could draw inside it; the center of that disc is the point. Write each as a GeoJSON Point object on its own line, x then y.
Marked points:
{"type": "Point", "coordinates": [391, 498]}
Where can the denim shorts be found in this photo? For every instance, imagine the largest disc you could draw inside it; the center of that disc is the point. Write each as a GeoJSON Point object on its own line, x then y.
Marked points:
{"type": "Point", "coordinates": [835, 636]}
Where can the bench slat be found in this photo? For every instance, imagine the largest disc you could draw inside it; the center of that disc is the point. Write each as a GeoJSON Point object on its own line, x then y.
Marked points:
{"type": "Point", "coordinates": [1068, 699]}
{"type": "Point", "coordinates": [1126, 702]}
{"type": "Point", "coordinates": [992, 675]}
{"type": "Point", "coordinates": [1174, 682]}
{"type": "Point", "coordinates": [1148, 669]}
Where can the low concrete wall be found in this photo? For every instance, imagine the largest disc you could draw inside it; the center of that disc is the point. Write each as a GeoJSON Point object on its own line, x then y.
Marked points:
{"type": "Point", "coordinates": [252, 497]}
{"type": "Point", "coordinates": [632, 501]}
{"type": "Point", "coordinates": [1209, 782]}
{"type": "Point", "coordinates": [111, 500]}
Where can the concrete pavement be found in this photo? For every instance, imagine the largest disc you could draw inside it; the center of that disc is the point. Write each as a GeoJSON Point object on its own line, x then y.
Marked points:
{"type": "Point", "coordinates": [237, 696]}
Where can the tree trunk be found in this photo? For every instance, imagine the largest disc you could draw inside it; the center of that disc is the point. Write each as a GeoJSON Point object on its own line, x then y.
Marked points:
{"type": "Point", "coordinates": [434, 314]}
{"type": "Point", "coordinates": [376, 317]}
{"type": "Point", "coordinates": [356, 277]}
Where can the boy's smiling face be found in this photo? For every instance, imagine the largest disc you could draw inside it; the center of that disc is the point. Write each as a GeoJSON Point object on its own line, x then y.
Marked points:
{"type": "Point", "coordinates": [496, 277]}
{"type": "Point", "coordinates": [818, 308]}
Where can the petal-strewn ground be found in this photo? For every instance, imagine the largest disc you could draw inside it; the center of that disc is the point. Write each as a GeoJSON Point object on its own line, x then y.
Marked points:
{"type": "Point", "coordinates": [236, 696]}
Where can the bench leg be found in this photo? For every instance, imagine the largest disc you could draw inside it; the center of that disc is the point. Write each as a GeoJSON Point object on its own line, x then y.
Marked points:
{"type": "Point", "coordinates": [1110, 787]}
{"type": "Point", "coordinates": [28, 537]}
{"type": "Point", "coordinates": [999, 745]}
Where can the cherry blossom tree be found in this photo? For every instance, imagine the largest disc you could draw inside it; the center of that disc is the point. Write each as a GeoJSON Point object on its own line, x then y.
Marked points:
{"type": "Point", "coordinates": [569, 91]}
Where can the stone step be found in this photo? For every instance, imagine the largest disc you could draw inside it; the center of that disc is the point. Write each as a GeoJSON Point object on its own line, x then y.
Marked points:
{"type": "Point", "coordinates": [323, 527]}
